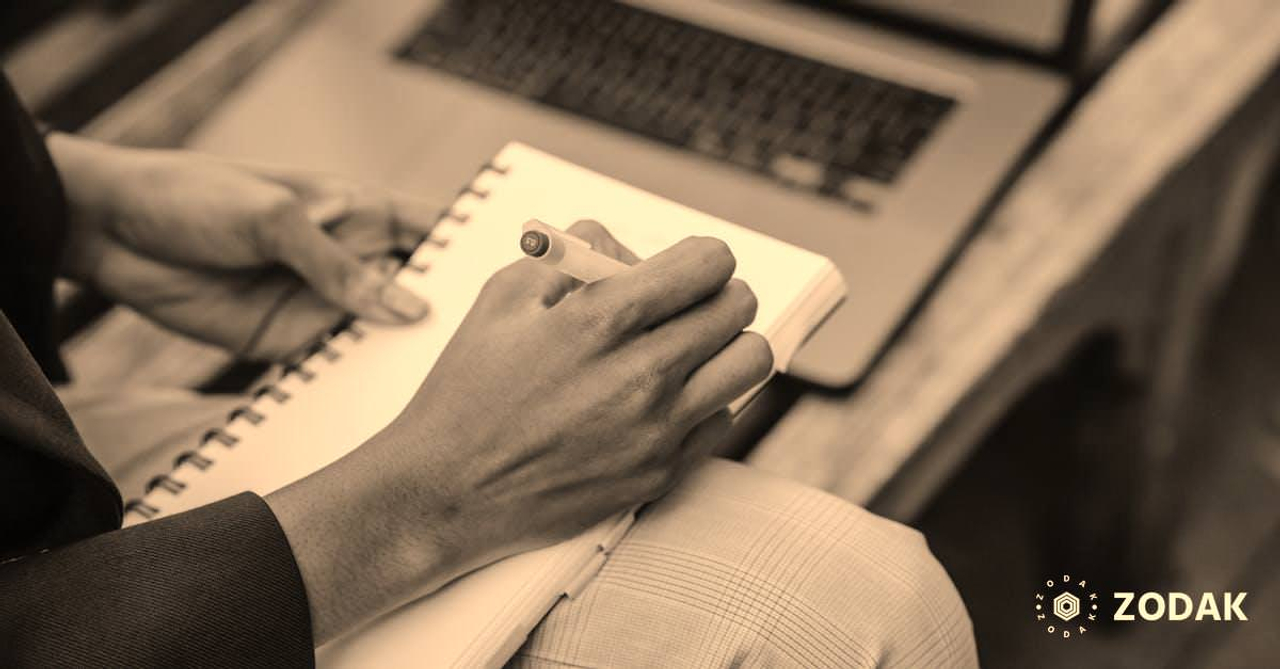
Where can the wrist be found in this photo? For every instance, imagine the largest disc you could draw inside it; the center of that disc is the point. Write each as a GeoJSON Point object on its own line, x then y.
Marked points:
{"type": "Point", "coordinates": [363, 545]}
{"type": "Point", "coordinates": [423, 521]}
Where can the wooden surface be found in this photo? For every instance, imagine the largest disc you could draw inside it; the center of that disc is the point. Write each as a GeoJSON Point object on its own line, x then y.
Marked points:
{"type": "Point", "coordinates": [1063, 257]}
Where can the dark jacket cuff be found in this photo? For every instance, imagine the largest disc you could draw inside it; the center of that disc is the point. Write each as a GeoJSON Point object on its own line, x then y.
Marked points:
{"type": "Point", "coordinates": [215, 586]}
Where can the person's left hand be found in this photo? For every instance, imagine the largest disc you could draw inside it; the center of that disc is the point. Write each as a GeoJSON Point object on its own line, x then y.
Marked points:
{"type": "Point", "coordinates": [235, 254]}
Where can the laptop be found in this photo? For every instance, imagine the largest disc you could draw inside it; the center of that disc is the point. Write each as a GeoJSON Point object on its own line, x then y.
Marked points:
{"type": "Point", "coordinates": [863, 130]}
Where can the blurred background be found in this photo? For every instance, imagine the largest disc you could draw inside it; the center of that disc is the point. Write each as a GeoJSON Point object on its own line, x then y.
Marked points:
{"type": "Point", "coordinates": [1058, 218]}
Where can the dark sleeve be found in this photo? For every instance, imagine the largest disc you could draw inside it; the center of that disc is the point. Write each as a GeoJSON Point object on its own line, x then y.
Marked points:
{"type": "Point", "coordinates": [216, 586]}
{"type": "Point", "coordinates": [33, 229]}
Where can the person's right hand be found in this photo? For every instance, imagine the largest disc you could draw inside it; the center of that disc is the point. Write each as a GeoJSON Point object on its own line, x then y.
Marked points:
{"type": "Point", "coordinates": [550, 409]}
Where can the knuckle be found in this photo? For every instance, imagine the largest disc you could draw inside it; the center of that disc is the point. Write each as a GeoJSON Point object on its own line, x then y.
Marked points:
{"type": "Point", "coordinates": [644, 387]}
{"type": "Point", "coordinates": [581, 314]}
{"type": "Point", "coordinates": [590, 320]}
{"type": "Point", "coordinates": [646, 383]}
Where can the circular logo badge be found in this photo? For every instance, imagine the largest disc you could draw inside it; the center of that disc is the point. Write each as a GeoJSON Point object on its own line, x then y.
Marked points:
{"type": "Point", "coordinates": [1066, 606]}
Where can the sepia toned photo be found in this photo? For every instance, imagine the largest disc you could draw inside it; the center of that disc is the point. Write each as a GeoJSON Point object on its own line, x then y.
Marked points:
{"type": "Point", "coordinates": [640, 333]}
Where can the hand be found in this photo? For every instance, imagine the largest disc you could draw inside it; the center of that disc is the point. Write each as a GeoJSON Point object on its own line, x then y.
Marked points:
{"type": "Point", "coordinates": [553, 406]}
{"type": "Point", "coordinates": [230, 253]}
{"type": "Point", "coordinates": [550, 410]}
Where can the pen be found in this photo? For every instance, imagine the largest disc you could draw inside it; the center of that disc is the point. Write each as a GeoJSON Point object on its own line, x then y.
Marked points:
{"type": "Point", "coordinates": [567, 253]}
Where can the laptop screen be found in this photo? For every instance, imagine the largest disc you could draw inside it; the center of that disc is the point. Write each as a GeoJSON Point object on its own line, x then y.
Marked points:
{"type": "Point", "coordinates": [1037, 26]}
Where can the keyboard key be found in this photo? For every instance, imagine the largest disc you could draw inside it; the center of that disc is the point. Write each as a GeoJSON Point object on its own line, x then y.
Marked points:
{"type": "Point", "coordinates": [798, 170]}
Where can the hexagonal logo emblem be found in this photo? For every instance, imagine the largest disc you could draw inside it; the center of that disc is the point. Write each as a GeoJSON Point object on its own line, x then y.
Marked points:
{"type": "Point", "coordinates": [1066, 606]}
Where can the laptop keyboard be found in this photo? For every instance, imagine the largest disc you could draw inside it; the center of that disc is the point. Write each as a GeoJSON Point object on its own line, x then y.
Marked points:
{"type": "Point", "coordinates": [805, 123]}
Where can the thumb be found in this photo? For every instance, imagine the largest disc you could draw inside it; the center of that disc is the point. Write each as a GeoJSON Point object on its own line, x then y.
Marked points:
{"type": "Point", "coordinates": [337, 274]}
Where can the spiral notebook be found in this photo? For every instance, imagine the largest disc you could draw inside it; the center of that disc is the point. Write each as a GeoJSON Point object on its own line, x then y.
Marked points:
{"type": "Point", "coordinates": [359, 379]}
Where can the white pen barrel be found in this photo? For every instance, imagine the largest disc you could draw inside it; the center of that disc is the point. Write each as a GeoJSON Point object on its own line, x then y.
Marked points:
{"type": "Point", "coordinates": [587, 265]}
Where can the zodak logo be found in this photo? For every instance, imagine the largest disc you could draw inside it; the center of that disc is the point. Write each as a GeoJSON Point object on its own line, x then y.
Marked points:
{"type": "Point", "coordinates": [1068, 606]}
{"type": "Point", "coordinates": [1178, 606]}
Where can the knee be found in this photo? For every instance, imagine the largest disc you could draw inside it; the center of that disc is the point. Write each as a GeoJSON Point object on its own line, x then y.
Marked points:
{"type": "Point", "coordinates": [827, 574]}
{"type": "Point", "coordinates": [896, 599]}
{"type": "Point", "coordinates": [739, 568]}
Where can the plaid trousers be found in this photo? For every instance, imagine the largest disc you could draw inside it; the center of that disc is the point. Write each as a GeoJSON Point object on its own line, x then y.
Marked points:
{"type": "Point", "coordinates": [739, 568]}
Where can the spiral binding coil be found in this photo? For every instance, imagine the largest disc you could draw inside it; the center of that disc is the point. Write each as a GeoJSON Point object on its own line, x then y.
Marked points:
{"type": "Point", "coordinates": [201, 459]}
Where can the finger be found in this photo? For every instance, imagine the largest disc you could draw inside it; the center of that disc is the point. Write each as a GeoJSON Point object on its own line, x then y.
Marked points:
{"type": "Point", "coordinates": [408, 218]}
{"type": "Point", "coordinates": [367, 221]}
{"type": "Point", "coordinates": [690, 339]}
{"type": "Point", "coordinates": [292, 318]}
{"type": "Point", "coordinates": [602, 240]}
{"type": "Point", "coordinates": [525, 283]}
{"type": "Point", "coordinates": [335, 273]}
{"type": "Point", "coordinates": [666, 284]}
{"type": "Point", "coordinates": [380, 219]}
{"type": "Point", "coordinates": [255, 315]}
{"type": "Point", "coordinates": [741, 365]}
{"type": "Point", "coordinates": [215, 307]}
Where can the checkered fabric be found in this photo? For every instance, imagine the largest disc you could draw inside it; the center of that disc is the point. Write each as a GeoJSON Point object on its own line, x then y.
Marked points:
{"type": "Point", "coordinates": [739, 568]}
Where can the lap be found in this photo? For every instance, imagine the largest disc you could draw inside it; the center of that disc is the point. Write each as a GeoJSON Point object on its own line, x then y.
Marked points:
{"type": "Point", "coordinates": [741, 568]}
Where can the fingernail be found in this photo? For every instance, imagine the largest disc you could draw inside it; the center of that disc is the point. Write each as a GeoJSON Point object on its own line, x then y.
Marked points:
{"type": "Point", "coordinates": [403, 303]}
